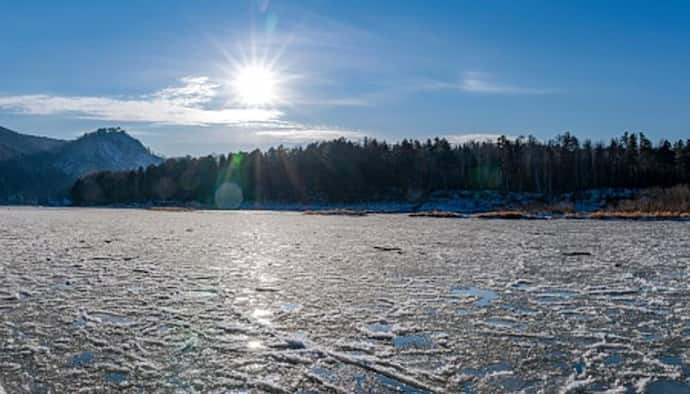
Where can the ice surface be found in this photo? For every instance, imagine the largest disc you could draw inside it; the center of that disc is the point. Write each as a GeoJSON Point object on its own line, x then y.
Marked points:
{"type": "Point", "coordinates": [411, 341]}
{"type": "Point", "coordinates": [484, 297]}
{"type": "Point", "coordinates": [102, 300]}
{"type": "Point", "coordinates": [668, 387]}
{"type": "Point", "coordinates": [82, 360]}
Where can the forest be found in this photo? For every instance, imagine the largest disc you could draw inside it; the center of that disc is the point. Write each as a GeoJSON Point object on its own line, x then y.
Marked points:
{"type": "Point", "coordinates": [343, 171]}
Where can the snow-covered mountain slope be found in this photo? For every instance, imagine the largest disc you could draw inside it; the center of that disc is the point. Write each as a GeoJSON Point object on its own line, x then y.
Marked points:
{"type": "Point", "coordinates": [104, 149]}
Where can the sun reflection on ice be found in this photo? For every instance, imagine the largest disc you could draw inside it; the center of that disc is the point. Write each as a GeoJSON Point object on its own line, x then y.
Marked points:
{"type": "Point", "coordinates": [262, 316]}
{"type": "Point", "coordinates": [255, 345]}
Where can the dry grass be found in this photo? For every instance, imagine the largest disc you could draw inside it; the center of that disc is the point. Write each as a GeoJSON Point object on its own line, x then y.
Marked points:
{"type": "Point", "coordinates": [650, 204]}
{"type": "Point", "coordinates": [337, 212]}
{"type": "Point", "coordinates": [557, 208]}
{"type": "Point", "coordinates": [673, 199]}
{"type": "Point", "coordinates": [640, 215]}
{"type": "Point", "coordinates": [437, 214]}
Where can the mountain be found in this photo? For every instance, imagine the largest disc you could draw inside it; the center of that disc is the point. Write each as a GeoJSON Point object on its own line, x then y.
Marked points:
{"type": "Point", "coordinates": [104, 149]}
{"type": "Point", "coordinates": [41, 170]}
{"type": "Point", "coordinates": [13, 144]}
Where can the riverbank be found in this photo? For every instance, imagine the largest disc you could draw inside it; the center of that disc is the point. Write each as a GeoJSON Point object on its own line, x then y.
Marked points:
{"type": "Point", "coordinates": [600, 204]}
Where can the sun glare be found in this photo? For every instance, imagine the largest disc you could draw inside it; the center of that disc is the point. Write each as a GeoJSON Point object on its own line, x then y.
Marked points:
{"type": "Point", "coordinates": [255, 85]}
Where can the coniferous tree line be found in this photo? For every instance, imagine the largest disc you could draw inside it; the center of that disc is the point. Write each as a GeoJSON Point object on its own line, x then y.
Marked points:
{"type": "Point", "coordinates": [342, 170]}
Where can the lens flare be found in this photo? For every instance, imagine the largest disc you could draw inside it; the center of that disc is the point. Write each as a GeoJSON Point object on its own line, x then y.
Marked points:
{"type": "Point", "coordinates": [228, 196]}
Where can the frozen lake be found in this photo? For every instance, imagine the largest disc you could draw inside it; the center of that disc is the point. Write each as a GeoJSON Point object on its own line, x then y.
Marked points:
{"type": "Point", "coordinates": [138, 300]}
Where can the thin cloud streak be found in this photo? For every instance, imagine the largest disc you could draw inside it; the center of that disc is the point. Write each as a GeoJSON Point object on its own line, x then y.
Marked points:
{"type": "Point", "coordinates": [481, 82]}
{"type": "Point", "coordinates": [306, 134]}
{"type": "Point", "coordinates": [334, 102]}
{"type": "Point", "coordinates": [461, 139]}
{"type": "Point", "coordinates": [185, 105]}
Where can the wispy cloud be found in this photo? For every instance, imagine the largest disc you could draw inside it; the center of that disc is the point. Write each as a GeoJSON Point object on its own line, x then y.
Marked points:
{"type": "Point", "coordinates": [193, 91]}
{"type": "Point", "coordinates": [479, 82]}
{"type": "Point", "coordinates": [187, 104]}
{"type": "Point", "coordinates": [194, 101]}
{"type": "Point", "coordinates": [335, 102]}
{"type": "Point", "coordinates": [303, 134]}
{"type": "Point", "coordinates": [475, 137]}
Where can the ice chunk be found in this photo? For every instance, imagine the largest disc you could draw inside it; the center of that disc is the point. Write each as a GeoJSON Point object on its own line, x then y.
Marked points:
{"type": "Point", "coordinates": [485, 297]}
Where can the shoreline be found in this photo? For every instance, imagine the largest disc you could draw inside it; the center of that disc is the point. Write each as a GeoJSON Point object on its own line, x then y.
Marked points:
{"type": "Point", "coordinates": [433, 214]}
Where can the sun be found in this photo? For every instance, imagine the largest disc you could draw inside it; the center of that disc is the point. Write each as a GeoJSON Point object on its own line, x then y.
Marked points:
{"type": "Point", "coordinates": [255, 85]}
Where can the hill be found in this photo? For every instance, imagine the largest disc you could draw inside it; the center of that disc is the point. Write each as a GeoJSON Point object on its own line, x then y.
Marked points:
{"type": "Point", "coordinates": [13, 144]}
{"type": "Point", "coordinates": [40, 170]}
{"type": "Point", "coordinates": [104, 149]}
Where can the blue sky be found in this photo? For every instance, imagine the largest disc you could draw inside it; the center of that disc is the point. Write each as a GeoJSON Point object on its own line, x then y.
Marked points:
{"type": "Point", "coordinates": [166, 71]}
